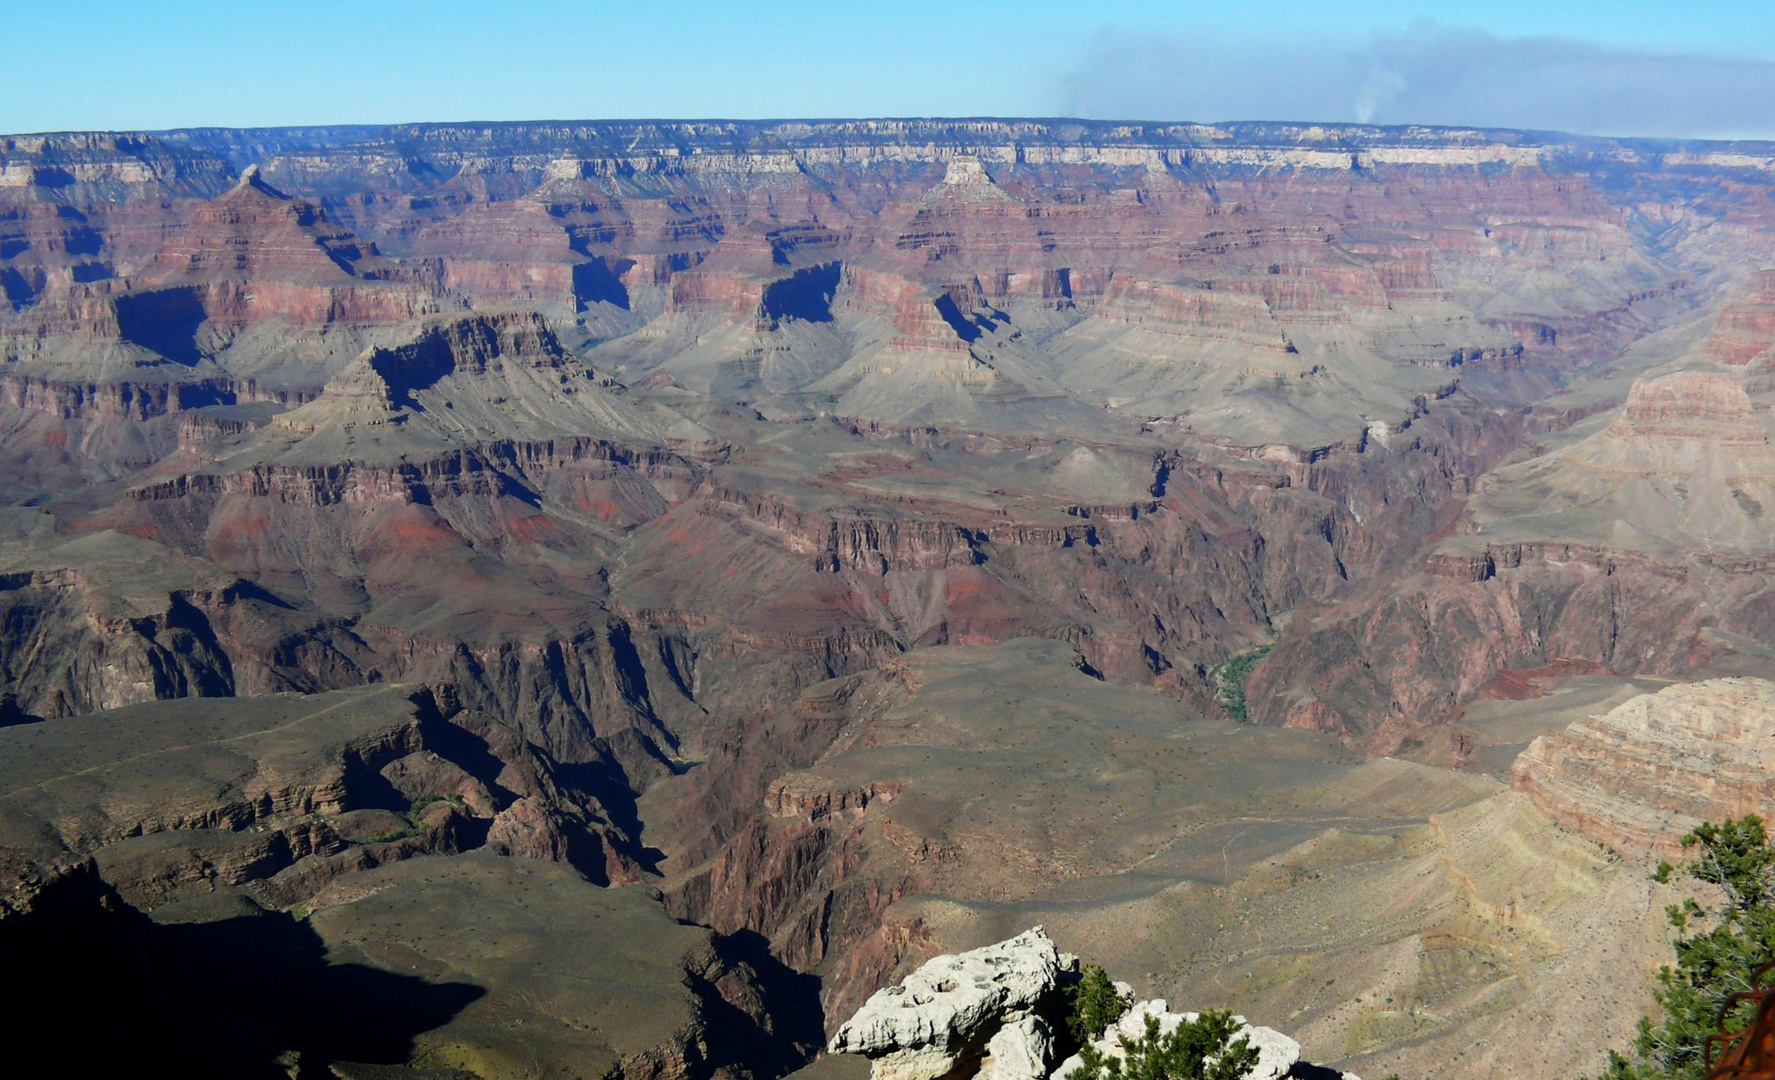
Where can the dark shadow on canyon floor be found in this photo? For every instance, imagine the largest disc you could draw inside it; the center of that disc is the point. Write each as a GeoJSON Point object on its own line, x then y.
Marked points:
{"type": "Point", "coordinates": [797, 1027]}
{"type": "Point", "coordinates": [238, 997]}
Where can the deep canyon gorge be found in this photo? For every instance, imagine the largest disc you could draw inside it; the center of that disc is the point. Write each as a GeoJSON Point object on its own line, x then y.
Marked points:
{"type": "Point", "coordinates": [603, 599]}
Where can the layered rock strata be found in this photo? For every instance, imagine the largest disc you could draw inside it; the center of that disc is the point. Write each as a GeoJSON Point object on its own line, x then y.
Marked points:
{"type": "Point", "coordinates": [1645, 773]}
{"type": "Point", "coordinates": [1639, 547]}
{"type": "Point", "coordinates": [620, 437]}
{"type": "Point", "coordinates": [281, 796]}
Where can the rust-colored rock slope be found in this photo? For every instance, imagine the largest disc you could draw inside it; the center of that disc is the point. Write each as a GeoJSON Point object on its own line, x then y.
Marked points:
{"type": "Point", "coordinates": [801, 519]}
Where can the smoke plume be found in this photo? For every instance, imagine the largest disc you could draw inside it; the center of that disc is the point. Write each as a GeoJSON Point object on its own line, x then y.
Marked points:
{"type": "Point", "coordinates": [1427, 74]}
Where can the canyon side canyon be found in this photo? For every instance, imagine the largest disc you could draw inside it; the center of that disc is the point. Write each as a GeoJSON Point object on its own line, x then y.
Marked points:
{"type": "Point", "coordinates": [604, 599]}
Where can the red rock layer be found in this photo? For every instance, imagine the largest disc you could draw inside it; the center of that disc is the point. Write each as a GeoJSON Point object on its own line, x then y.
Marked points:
{"type": "Point", "coordinates": [253, 253]}
{"type": "Point", "coordinates": [1411, 653]}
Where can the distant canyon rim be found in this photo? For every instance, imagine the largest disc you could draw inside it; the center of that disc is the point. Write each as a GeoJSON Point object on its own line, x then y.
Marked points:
{"type": "Point", "coordinates": [533, 599]}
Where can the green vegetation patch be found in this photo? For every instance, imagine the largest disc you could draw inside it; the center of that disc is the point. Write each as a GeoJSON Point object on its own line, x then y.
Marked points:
{"type": "Point", "coordinates": [1229, 681]}
{"type": "Point", "coordinates": [1094, 1004]}
{"type": "Point", "coordinates": [1206, 1048]}
{"type": "Point", "coordinates": [1209, 1047]}
{"type": "Point", "coordinates": [414, 826]}
{"type": "Point", "coordinates": [1721, 948]}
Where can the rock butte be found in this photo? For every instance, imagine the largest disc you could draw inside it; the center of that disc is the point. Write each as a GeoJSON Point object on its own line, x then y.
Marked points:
{"type": "Point", "coordinates": [1646, 772]}
{"type": "Point", "coordinates": [842, 530]}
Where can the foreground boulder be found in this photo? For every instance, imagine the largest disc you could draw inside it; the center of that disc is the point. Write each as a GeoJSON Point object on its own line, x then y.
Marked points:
{"type": "Point", "coordinates": [957, 1013]}
{"type": "Point", "coordinates": [997, 1013]}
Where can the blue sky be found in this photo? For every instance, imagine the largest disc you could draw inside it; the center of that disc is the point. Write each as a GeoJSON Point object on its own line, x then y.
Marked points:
{"type": "Point", "coordinates": [1616, 68]}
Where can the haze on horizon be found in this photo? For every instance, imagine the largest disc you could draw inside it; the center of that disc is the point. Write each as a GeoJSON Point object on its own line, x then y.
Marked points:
{"type": "Point", "coordinates": [1629, 69]}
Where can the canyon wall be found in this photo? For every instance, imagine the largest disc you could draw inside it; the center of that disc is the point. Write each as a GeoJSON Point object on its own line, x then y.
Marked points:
{"type": "Point", "coordinates": [666, 465]}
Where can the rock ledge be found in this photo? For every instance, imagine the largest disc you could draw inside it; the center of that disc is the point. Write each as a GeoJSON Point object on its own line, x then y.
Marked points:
{"type": "Point", "coordinates": [956, 1010]}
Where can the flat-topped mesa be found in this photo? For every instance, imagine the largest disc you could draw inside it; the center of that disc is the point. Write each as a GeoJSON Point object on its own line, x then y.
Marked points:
{"type": "Point", "coordinates": [878, 292]}
{"type": "Point", "coordinates": [473, 345]}
{"type": "Point", "coordinates": [1648, 771]}
{"type": "Point", "coordinates": [729, 280]}
{"type": "Point", "coordinates": [465, 347]}
{"type": "Point", "coordinates": [753, 278]}
{"type": "Point", "coordinates": [737, 297]}
{"type": "Point", "coordinates": [1193, 312]}
{"type": "Point", "coordinates": [923, 318]}
{"type": "Point", "coordinates": [515, 251]}
{"type": "Point", "coordinates": [1690, 404]}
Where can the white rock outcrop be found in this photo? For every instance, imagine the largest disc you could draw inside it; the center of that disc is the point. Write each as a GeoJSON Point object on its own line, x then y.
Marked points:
{"type": "Point", "coordinates": [1020, 1051]}
{"type": "Point", "coordinates": [1276, 1052]}
{"type": "Point", "coordinates": [987, 1014]}
{"type": "Point", "coordinates": [955, 1007]}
